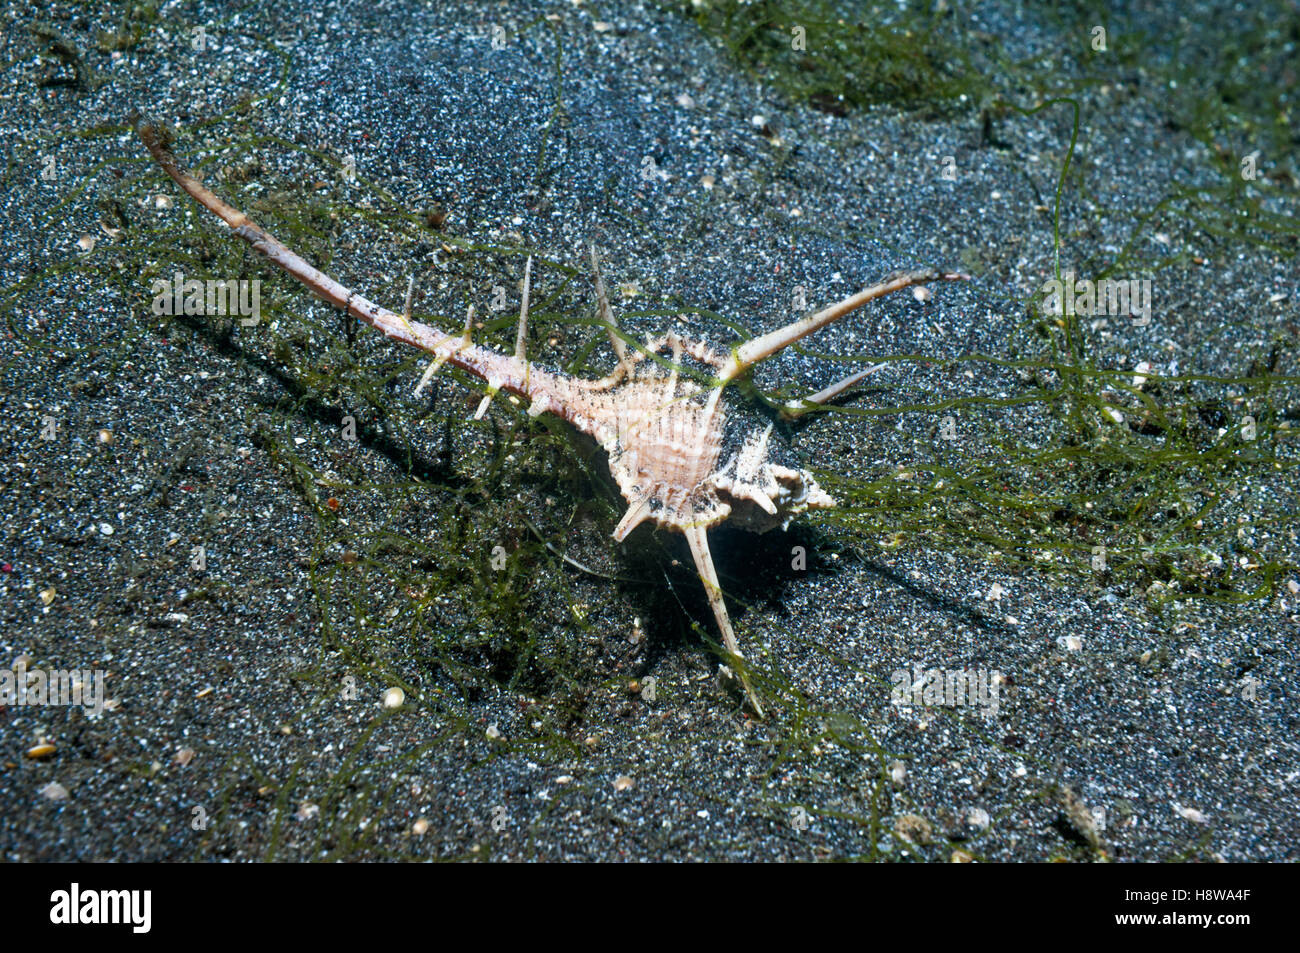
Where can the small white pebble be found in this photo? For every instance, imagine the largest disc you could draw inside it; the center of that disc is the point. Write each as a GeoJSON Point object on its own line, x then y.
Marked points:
{"type": "Point", "coordinates": [394, 697]}
{"type": "Point", "coordinates": [493, 731]}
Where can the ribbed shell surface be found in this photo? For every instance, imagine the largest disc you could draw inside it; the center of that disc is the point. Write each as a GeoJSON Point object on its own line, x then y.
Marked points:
{"type": "Point", "coordinates": [665, 445]}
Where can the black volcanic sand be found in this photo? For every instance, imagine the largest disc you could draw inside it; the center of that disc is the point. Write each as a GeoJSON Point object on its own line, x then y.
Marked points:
{"type": "Point", "coordinates": [561, 692]}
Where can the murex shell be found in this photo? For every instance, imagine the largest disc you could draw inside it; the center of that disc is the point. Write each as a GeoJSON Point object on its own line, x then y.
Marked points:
{"type": "Point", "coordinates": [682, 456]}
